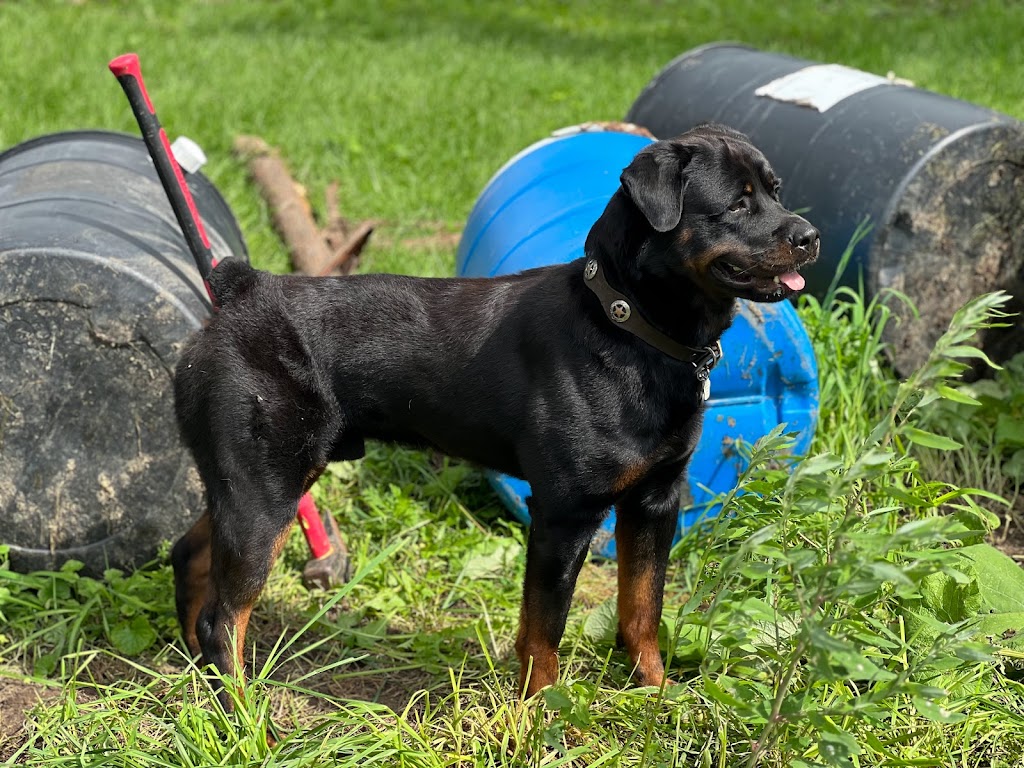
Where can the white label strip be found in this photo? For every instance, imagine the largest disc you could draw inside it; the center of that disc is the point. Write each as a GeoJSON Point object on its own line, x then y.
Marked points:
{"type": "Point", "coordinates": [821, 86]}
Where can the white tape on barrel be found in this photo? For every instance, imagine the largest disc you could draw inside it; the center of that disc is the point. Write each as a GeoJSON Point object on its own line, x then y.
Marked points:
{"type": "Point", "coordinates": [821, 86]}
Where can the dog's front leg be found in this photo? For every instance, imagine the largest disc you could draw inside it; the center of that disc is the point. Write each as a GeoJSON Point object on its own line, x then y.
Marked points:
{"type": "Point", "coordinates": [645, 525]}
{"type": "Point", "coordinates": [558, 544]}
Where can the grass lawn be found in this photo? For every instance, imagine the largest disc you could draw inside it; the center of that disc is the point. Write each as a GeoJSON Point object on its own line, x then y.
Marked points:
{"type": "Point", "coordinates": [791, 624]}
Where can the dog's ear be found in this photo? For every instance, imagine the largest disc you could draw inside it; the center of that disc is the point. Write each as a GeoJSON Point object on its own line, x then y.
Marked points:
{"type": "Point", "coordinates": [655, 183]}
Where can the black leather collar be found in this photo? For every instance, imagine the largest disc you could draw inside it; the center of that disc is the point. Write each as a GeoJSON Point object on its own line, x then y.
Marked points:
{"type": "Point", "coordinates": [619, 310]}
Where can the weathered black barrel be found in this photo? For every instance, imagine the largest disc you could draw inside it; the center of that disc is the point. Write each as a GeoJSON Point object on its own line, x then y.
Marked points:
{"type": "Point", "coordinates": [98, 292]}
{"type": "Point", "coordinates": [941, 181]}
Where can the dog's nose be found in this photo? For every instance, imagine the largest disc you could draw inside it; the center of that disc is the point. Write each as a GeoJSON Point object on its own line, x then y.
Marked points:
{"type": "Point", "coordinates": [803, 235]}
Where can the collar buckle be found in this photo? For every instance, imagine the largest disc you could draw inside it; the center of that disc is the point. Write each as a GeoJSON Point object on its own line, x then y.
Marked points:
{"type": "Point", "coordinates": [708, 360]}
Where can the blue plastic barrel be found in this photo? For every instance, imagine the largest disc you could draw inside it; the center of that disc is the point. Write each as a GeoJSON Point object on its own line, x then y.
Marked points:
{"type": "Point", "coordinates": [538, 209]}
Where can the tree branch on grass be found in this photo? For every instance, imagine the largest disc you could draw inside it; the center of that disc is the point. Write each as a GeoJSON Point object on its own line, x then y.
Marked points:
{"type": "Point", "coordinates": [314, 251]}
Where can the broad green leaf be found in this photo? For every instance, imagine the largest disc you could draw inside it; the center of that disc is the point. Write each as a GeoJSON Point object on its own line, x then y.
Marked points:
{"type": "Point", "coordinates": [602, 623]}
{"type": "Point", "coordinates": [1000, 579]}
{"type": "Point", "coordinates": [555, 698]}
{"type": "Point", "coordinates": [1003, 629]}
{"type": "Point", "coordinates": [1014, 466]}
{"type": "Point", "coordinates": [930, 439]}
{"type": "Point", "coordinates": [45, 665]}
{"type": "Point", "coordinates": [1010, 432]}
{"type": "Point", "coordinates": [490, 559]}
{"type": "Point", "coordinates": [860, 667]}
{"type": "Point", "coordinates": [956, 395]}
{"type": "Point", "coordinates": [717, 693]}
{"type": "Point", "coordinates": [836, 747]}
{"type": "Point", "coordinates": [756, 571]}
{"type": "Point", "coordinates": [132, 638]}
{"type": "Point", "coordinates": [975, 652]}
{"type": "Point", "coordinates": [937, 712]}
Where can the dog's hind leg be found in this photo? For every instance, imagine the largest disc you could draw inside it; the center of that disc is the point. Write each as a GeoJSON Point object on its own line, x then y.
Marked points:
{"type": "Point", "coordinates": [557, 548]}
{"type": "Point", "coordinates": [190, 557]}
{"type": "Point", "coordinates": [646, 521]}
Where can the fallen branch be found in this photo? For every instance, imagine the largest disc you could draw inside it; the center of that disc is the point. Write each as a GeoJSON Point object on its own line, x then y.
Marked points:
{"type": "Point", "coordinates": [343, 258]}
{"type": "Point", "coordinates": [313, 251]}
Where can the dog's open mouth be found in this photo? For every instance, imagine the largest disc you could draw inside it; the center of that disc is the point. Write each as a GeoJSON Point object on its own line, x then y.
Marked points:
{"type": "Point", "coordinates": [758, 282]}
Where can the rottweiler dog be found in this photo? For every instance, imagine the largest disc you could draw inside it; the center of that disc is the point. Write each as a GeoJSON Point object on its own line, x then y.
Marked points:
{"type": "Point", "coordinates": [588, 379]}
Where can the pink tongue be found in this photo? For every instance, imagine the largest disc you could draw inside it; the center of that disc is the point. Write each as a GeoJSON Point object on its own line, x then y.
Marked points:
{"type": "Point", "coordinates": [792, 280]}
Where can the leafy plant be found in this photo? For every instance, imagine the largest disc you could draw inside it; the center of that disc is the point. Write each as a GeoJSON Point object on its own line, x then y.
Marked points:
{"type": "Point", "coordinates": [797, 589]}
{"type": "Point", "coordinates": [50, 614]}
{"type": "Point", "coordinates": [989, 417]}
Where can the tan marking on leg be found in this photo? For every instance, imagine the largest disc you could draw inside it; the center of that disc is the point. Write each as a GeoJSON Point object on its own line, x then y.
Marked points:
{"type": "Point", "coordinates": [538, 660]}
{"type": "Point", "coordinates": [244, 614]}
{"type": "Point", "coordinates": [639, 618]}
{"type": "Point", "coordinates": [630, 476]}
{"type": "Point", "coordinates": [196, 580]}
{"type": "Point", "coordinates": [241, 626]}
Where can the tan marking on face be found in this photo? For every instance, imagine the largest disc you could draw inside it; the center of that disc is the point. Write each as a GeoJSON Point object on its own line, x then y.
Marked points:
{"type": "Point", "coordinates": [280, 541]}
{"type": "Point", "coordinates": [311, 477]}
{"type": "Point", "coordinates": [685, 236]}
{"type": "Point", "coordinates": [748, 188]}
{"type": "Point", "coordinates": [702, 261]}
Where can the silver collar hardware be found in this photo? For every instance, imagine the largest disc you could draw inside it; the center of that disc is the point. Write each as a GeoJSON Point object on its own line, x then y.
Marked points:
{"type": "Point", "coordinates": [620, 311]}
{"type": "Point", "coordinates": [708, 360]}
{"type": "Point", "coordinates": [703, 367]}
{"type": "Point", "coordinates": [617, 308]}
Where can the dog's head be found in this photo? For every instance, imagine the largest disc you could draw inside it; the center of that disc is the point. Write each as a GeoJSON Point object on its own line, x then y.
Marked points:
{"type": "Point", "coordinates": [712, 201]}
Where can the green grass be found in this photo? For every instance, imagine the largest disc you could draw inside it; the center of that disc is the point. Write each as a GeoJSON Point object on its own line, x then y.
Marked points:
{"type": "Point", "coordinates": [411, 107]}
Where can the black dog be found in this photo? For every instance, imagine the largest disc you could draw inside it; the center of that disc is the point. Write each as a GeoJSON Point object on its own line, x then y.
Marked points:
{"type": "Point", "coordinates": [586, 378]}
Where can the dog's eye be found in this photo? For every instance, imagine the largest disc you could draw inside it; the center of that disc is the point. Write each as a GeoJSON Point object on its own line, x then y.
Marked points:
{"type": "Point", "coordinates": [777, 190]}
{"type": "Point", "coordinates": [743, 202]}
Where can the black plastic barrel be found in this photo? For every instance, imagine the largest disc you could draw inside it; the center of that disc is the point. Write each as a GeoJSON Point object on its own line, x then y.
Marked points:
{"type": "Point", "coordinates": [98, 292]}
{"type": "Point", "coordinates": [941, 181]}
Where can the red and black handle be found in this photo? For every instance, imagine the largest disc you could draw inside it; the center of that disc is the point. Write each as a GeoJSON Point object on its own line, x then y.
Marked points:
{"type": "Point", "coordinates": [129, 74]}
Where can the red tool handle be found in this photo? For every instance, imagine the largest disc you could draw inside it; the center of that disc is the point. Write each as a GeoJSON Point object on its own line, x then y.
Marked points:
{"type": "Point", "coordinates": [128, 72]}
{"type": "Point", "coordinates": [313, 527]}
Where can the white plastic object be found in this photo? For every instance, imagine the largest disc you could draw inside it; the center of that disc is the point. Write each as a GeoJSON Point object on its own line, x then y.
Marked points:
{"type": "Point", "coordinates": [190, 156]}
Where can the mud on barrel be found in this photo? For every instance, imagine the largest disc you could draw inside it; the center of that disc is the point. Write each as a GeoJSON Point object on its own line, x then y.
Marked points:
{"type": "Point", "coordinates": [98, 292]}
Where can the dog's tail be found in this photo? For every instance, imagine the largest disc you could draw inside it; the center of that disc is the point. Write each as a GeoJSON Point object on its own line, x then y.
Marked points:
{"type": "Point", "coordinates": [230, 279]}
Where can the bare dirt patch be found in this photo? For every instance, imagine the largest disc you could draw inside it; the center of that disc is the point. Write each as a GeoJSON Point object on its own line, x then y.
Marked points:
{"type": "Point", "coordinates": [17, 699]}
{"type": "Point", "coordinates": [1009, 538]}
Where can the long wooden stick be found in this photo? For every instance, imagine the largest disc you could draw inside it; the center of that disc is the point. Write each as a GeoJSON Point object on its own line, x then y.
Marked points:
{"type": "Point", "coordinates": [288, 208]}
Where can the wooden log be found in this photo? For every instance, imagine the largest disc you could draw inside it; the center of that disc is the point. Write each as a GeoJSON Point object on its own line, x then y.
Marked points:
{"type": "Point", "coordinates": [288, 207]}
{"type": "Point", "coordinates": [344, 258]}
